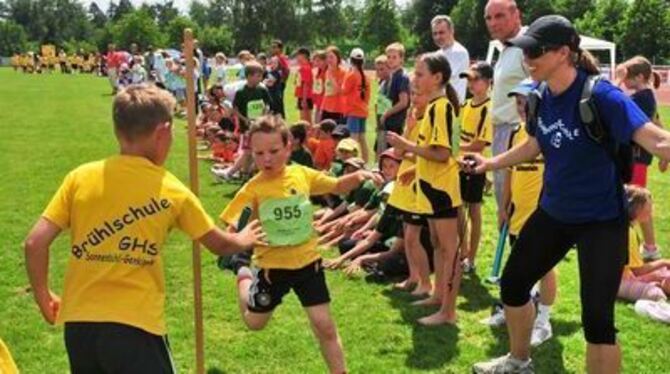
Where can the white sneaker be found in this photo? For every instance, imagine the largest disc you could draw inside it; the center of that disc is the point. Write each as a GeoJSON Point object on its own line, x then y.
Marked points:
{"type": "Point", "coordinates": [221, 174]}
{"type": "Point", "coordinates": [541, 333]}
{"type": "Point", "coordinates": [468, 267]}
{"type": "Point", "coordinates": [504, 365]}
{"type": "Point", "coordinates": [652, 255]}
{"type": "Point", "coordinates": [497, 317]}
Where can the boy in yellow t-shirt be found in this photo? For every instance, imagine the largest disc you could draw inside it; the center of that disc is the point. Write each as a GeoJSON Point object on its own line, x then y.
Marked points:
{"type": "Point", "coordinates": [119, 212]}
{"type": "Point", "coordinates": [279, 197]}
{"type": "Point", "coordinates": [476, 136]}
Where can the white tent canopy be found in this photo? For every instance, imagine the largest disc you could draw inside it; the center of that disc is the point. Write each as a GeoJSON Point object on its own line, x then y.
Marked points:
{"type": "Point", "coordinates": [587, 43]}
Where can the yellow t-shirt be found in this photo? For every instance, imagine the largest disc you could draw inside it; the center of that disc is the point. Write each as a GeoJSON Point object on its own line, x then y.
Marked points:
{"type": "Point", "coordinates": [403, 197]}
{"type": "Point", "coordinates": [119, 212]}
{"type": "Point", "coordinates": [526, 184]}
{"type": "Point", "coordinates": [476, 122]}
{"type": "Point", "coordinates": [296, 181]}
{"type": "Point", "coordinates": [634, 257]}
{"type": "Point", "coordinates": [438, 183]}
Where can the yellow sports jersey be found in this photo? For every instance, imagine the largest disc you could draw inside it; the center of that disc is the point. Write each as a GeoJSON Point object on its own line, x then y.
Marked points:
{"type": "Point", "coordinates": [634, 257]}
{"type": "Point", "coordinates": [282, 205]}
{"type": "Point", "coordinates": [526, 184]}
{"type": "Point", "coordinates": [119, 212]}
{"type": "Point", "coordinates": [403, 197]}
{"type": "Point", "coordinates": [476, 122]}
{"type": "Point", "coordinates": [438, 183]}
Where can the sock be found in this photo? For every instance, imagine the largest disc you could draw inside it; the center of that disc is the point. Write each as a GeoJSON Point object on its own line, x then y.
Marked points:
{"type": "Point", "coordinates": [543, 312]}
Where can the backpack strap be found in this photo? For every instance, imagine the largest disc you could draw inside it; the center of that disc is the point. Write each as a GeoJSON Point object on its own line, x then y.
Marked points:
{"type": "Point", "coordinates": [532, 107]}
{"type": "Point", "coordinates": [588, 112]}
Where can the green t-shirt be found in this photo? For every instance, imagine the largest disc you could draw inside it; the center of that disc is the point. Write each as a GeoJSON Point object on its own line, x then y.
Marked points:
{"type": "Point", "coordinates": [251, 101]}
{"type": "Point", "coordinates": [302, 157]}
{"type": "Point", "coordinates": [337, 168]}
{"type": "Point", "coordinates": [361, 195]}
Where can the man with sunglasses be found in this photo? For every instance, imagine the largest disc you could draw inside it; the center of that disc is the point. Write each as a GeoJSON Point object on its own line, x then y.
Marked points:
{"type": "Point", "coordinates": [459, 59]}
{"type": "Point", "coordinates": [503, 20]}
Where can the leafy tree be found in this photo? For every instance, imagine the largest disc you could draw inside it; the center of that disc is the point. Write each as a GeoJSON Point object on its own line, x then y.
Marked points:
{"type": "Point", "coordinates": [605, 21]}
{"type": "Point", "coordinates": [175, 30]}
{"type": "Point", "coordinates": [470, 26]}
{"type": "Point", "coordinates": [574, 9]}
{"type": "Point", "coordinates": [137, 27]}
{"type": "Point", "coordinates": [98, 17]}
{"type": "Point", "coordinates": [13, 38]}
{"type": "Point", "coordinates": [380, 25]}
{"type": "Point", "coordinates": [534, 9]}
{"type": "Point", "coordinates": [216, 39]}
{"type": "Point", "coordinates": [646, 31]}
{"type": "Point", "coordinates": [424, 11]}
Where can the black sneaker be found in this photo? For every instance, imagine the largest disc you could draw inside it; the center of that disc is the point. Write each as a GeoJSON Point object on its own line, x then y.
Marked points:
{"type": "Point", "coordinates": [234, 262]}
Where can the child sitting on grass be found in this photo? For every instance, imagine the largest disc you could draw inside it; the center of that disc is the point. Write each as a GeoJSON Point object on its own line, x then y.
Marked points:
{"type": "Point", "coordinates": [113, 301]}
{"type": "Point", "coordinates": [642, 280]}
{"type": "Point", "coordinates": [300, 155]}
{"type": "Point", "coordinates": [279, 196]}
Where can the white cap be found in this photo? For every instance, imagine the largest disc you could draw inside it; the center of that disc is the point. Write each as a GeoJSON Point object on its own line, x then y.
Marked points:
{"type": "Point", "coordinates": [357, 53]}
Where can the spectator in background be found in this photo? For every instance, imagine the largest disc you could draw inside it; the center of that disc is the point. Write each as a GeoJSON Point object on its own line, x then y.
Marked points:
{"type": "Point", "coordinates": [503, 20]}
{"type": "Point", "coordinates": [458, 57]}
{"type": "Point", "coordinates": [277, 50]}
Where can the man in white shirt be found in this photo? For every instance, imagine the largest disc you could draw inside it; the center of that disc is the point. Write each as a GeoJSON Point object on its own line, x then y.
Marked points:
{"type": "Point", "coordinates": [458, 57]}
{"type": "Point", "coordinates": [503, 20]}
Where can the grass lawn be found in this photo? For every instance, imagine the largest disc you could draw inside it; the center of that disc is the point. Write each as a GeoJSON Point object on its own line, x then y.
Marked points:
{"type": "Point", "coordinates": [51, 124]}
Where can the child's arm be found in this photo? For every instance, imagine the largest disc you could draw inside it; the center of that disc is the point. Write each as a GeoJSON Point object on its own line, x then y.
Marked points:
{"type": "Point", "coordinates": [402, 104]}
{"type": "Point", "coordinates": [36, 250]}
{"type": "Point", "coordinates": [477, 146]}
{"type": "Point", "coordinates": [349, 182]}
{"type": "Point", "coordinates": [430, 152]}
{"type": "Point", "coordinates": [360, 248]}
{"type": "Point", "coordinates": [651, 267]}
{"type": "Point", "coordinates": [222, 243]}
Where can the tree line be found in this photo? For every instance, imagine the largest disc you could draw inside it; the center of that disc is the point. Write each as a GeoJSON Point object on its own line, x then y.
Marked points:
{"type": "Point", "coordinates": [637, 26]}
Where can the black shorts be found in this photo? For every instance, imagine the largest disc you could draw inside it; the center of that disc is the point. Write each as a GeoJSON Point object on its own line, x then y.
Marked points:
{"type": "Point", "coordinates": [310, 104]}
{"type": "Point", "coordinates": [270, 286]}
{"type": "Point", "coordinates": [390, 223]}
{"type": "Point", "coordinates": [104, 347]}
{"type": "Point", "coordinates": [339, 118]}
{"type": "Point", "coordinates": [472, 187]}
{"type": "Point", "coordinates": [440, 202]}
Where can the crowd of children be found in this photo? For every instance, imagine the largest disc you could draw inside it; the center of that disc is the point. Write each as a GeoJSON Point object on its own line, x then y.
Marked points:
{"type": "Point", "coordinates": [412, 213]}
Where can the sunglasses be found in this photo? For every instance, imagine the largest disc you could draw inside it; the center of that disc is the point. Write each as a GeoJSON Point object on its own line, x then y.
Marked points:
{"type": "Point", "coordinates": [538, 51]}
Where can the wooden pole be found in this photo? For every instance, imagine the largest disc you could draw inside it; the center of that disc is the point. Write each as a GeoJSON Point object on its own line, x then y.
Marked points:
{"type": "Point", "coordinates": [193, 175]}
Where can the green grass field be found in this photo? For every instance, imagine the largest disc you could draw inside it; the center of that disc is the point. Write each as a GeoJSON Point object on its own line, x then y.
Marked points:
{"type": "Point", "coordinates": [51, 124]}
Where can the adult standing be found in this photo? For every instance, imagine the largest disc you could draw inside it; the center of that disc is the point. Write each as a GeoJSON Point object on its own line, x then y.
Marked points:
{"type": "Point", "coordinates": [459, 59]}
{"type": "Point", "coordinates": [503, 20]}
{"type": "Point", "coordinates": [277, 50]}
{"type": "Point", "coordinates": [582, 203]}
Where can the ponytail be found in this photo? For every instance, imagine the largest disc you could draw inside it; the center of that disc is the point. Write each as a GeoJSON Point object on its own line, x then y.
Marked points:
{"type": "Point", "coordinates": [656, 79]}
{"type": "Point", "coordinates": [359, 66]}
{"type": "Point", "coordinates": [452, 96]}
{"type": "Point", "coordinates": [437, 63]}
{"type": "Point", "coordinates": [586, 61]}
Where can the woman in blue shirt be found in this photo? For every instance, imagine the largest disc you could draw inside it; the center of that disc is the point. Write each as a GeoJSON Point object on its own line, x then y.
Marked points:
{"type": "Point", "coordinates": [582, 203]}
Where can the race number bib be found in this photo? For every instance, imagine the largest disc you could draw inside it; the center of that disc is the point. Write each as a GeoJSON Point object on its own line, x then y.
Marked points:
{"type": "Point", "coordinates": [330, 87]}
{"type": "Point", "coordinates": [317, 86]}
{"type": "Point", "coordinates": [287, 221]}
{"type": "Point", "coordinates": [383, 104]}
{"type": "Point", "coordinates": [255, 109]}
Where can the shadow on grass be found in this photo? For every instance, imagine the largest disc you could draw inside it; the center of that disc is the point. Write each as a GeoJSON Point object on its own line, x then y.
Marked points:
{"type": "Point", "coordinates": [432, 347]}
{"type": "Point", "coordinates": [215, 371]}
{"type": "Point", "coordinates": [477, 296]}
{"type": "Point", "coordinates": [548, 357]}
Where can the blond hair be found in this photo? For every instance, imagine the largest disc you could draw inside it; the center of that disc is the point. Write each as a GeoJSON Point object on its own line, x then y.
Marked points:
{"type": "Point", "coordinates": [396, 47]}
{"type": "Point", "coordinates": [637, 198]}
{"type": "Point", "coordinates": [139, 108]}
{"type": "Point", "coordinates": [381, 59]}
{"type": "Point", "coordinates": [270, 124]}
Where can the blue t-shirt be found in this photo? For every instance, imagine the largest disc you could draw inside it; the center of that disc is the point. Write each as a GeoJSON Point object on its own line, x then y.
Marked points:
{"type": "Point", "coordinates": [581, 183]}
{"type": "Point", "coordinates": [647, 102]}
{"type": "Point", "coordinates": [392, 88]}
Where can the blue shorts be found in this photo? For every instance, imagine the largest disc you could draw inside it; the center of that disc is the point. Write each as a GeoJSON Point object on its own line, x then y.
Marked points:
{"type": "Point", "coordinates": [356, 125]}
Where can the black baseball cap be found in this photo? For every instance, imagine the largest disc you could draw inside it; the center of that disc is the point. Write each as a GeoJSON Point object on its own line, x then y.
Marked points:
{"type": "Point", "coordinates": [552, 30]}
{"type": "Point", "coordinates": [480, 69]}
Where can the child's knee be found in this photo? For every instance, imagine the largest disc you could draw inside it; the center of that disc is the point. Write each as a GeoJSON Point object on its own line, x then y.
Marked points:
{"type": "Point", "coordinates": [325, 329]}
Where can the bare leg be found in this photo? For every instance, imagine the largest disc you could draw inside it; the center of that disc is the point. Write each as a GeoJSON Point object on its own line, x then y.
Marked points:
{"type": "Point", "coordinates": [447, 230]}
{"type": "Point", "coordinates": [418, 259]}
{"type": "Point", "coordinates": [326, 332]}
{"type": "Point", "coordinates": [519, 326]}
{"type": "Point", "coordinates": [475, 231]}
{"type": "Point", "coordinates": [254, 321]}
{"type": "Point", "coordinates": [548, 288]}
{"type": "Point", "coordinates": [438, 264]}
{"type": "Point", "coordinates": [603, 358]}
